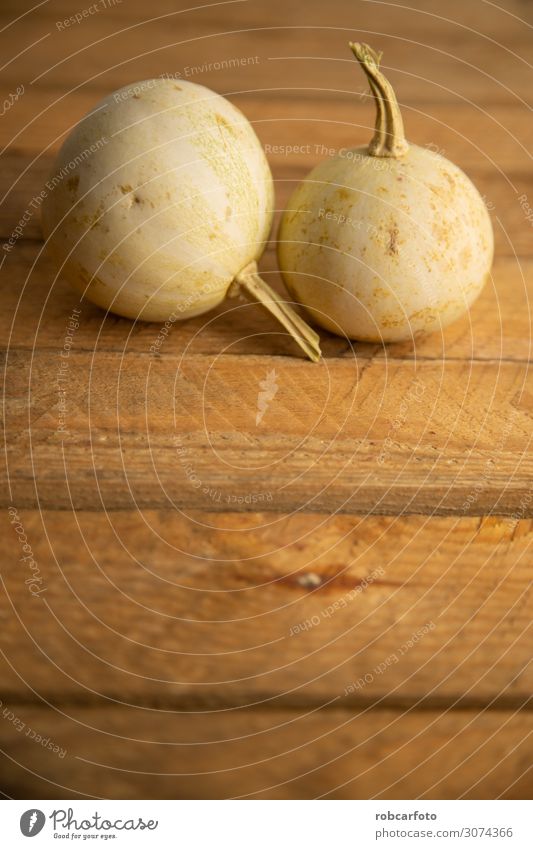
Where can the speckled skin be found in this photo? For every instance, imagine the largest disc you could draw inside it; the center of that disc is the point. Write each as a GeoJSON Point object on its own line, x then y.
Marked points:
{"type": "Point", "coordinates": [161, 217]}
{"type": "Point", "coordinates": [379, 249]}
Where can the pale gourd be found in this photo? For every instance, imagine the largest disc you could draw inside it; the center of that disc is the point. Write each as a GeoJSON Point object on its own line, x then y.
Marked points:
{"type": "Point", "coordinates": [384, 242]}
{"type": "Point", "coordinates": [162, 202]}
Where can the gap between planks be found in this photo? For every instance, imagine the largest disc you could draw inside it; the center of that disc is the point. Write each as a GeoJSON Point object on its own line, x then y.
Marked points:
{"type": "Point", "coordinates": [215, 703]}
{"type": "Point", "coordinates": [283, 358]}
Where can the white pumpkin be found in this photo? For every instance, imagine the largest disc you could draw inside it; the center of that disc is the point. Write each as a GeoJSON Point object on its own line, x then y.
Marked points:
{"type": "Point", "coordinates": [174, 202]}
{"type": "Point", "coordinates": [385, 242]}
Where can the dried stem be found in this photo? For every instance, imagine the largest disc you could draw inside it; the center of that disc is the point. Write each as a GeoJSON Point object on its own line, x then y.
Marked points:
{"type": "Point", "coordinates": [389, 139]}
{"type": "Point", "coordinates": [305, 336]}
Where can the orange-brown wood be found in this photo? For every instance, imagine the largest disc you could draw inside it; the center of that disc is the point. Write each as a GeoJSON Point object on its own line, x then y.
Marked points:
{"type": "Point", "coordinates": [200, 608]}
{"type": "Point", "coordinates": [215, 605]}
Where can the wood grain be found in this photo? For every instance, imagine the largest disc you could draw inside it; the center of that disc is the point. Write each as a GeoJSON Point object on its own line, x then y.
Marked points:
{"type": "Point", "coordinates": [432, 56]}
{"type": "Point", "coordinates": [238, 609]}
{"type": "Point", "coordinates": [280, 754]}
{"type": "Point", "coordinates": [232, 607]}
{"type": "Point", "coordinates": [389, 437]}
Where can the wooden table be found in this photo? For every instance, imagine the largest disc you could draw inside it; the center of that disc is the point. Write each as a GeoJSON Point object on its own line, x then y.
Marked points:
{"type": "Point", "coordinates": [330, 602]}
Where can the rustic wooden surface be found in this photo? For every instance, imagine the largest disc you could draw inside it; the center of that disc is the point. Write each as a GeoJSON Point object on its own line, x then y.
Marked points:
{"type": "Point", "coordinates": [334, 602]}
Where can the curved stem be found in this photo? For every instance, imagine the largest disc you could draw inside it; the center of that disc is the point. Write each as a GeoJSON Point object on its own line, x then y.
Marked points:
{"type": "Point", "coordinates": [389, 139]}
{"type": "Point", "coordinates": [380, 126]}
{"type": "Point", "coordinates": [309, 341]}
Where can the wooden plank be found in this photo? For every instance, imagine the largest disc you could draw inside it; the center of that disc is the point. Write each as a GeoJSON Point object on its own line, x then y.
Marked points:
{"type": "Point", "coordinates": [385, 656]}
{"type": "Point", "coordinates": [382, 436]}
{"type": "Point", "coordinates": [217, 610]}
{"type": "Point", "coordinates": [505, 21]}
{"type": "Point", "coordinates": [433, 58]}
{"type": "Point", "coordinates": [337, 754]}
{"type": "Point", "coordinates": [35, 307]}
